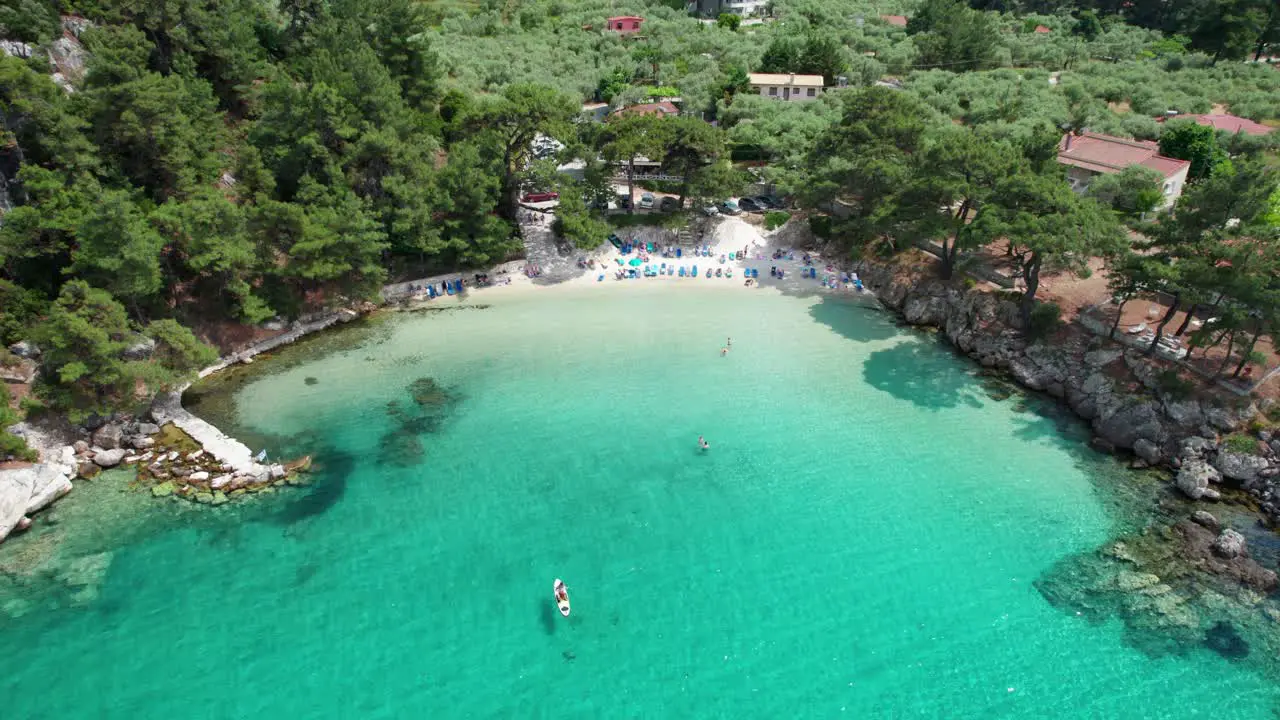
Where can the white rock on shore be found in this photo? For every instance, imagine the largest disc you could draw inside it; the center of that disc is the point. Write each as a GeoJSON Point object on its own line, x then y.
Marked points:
{"type": "Point", "coordinates": [24, 491]}
{"type": "Point", "coordinates": [1194, 477]}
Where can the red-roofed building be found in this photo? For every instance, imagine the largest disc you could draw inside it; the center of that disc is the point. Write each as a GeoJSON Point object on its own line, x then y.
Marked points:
{"type": "Point", "coordinates": [1090, 155]}
{"type": "Point", "coordinates": [1040, 30]}
{"type": "Point", "coordinates": [659, 109]}
{"type": "Point", "coordinates": [624, 24]}
{"type": "Point", "coordinates": [1230, 123]}
{"type": "Point", "coordinates": [895, 20]}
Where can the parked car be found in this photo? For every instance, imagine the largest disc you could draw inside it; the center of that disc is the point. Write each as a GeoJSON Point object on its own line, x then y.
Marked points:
{"type": "Point", "coordinates": [646, 201]}
{"type": "Point", "coordinates": [537, 197]}
{"type": "Point", "coordinates": [624, 202]}
{"type": "Point", "coordinates": [766, 203]}
{"type": "Point", "coordinates": [729, 207]}
{"type": "Point", "coordinates": [710, 210]}
{"type": "Point", "coordinates": [669, 204]}
{"type": "Point", "coordinates": [749, 205]}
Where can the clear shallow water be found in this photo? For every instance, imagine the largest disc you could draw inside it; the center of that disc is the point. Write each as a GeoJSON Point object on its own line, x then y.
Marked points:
{"type": "Point", "coordinates": [862, 538]}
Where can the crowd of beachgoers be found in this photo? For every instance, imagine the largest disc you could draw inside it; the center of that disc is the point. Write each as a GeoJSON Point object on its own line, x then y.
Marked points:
{"type": "Point", "coordinates": [731, 250]}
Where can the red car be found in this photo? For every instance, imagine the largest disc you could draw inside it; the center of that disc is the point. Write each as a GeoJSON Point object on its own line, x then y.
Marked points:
{"type": "Point", "coordinates": [541, 197]}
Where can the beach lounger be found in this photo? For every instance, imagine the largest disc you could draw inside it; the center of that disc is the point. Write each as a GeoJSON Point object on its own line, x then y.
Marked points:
{"type": "Point", "coordinates": [678, 252]}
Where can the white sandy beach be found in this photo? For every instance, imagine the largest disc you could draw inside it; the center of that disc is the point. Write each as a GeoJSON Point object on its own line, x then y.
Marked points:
{"type": "Point", "coordinates": [726, 236]}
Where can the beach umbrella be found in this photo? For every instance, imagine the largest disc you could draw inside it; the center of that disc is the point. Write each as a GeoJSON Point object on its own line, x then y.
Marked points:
{"type": "Point", "coordinates": [636, 262]}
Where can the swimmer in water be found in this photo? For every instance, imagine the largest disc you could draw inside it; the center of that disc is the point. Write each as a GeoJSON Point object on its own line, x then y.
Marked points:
{"type": "Point", "coordinates": [728, 342]}
{"type": "Point", "coordinates": [724, 351]}
{"type": "Point", "coordinates": [702, 443]}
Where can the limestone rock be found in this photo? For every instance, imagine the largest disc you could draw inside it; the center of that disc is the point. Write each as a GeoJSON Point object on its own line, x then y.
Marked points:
{"type": "Point", "coordinates": [14, 48]}
{"type": "Point", "coordinates": [1194, 478]}
{"type": "Point", "coordinates": [24, 349]}
{"type": "Point", "coordinates": [1196, 447]}
{"type": "Point", "coordinates": [1102, 356]}
{"type": "Point", "coordinates": [1134, 420]}
{"type": "Point", "coordinates": [109, 436]}
{"type": "Point", "coordinates": [198, 476]}
{"type": "Point", "coordinates": [81, 447]}
{"type": "Point", "coordinates": [148, 428]}
{"type": "Point", "coordinates": [140, 349]}
{"type": "Point", "coordinates": [164, 489]}
{"type": "Point", "coordinates": [88, 470]}
{"type": "Point", "coordinates": [221, 481]}
{"type": "Point", "coordinates": [1146, 450]}
{"type": "Point", "coordinates": [1205, 519]}
{"type": "Point", "coordinates": [204, 498]}
{"type": "Point", "coordinates": [925, 310]}
{"type": "Point", "coordinates": [109, 458]}
{"type": "Point", "coordinates": [1238, 466]}
{"type": "Point", "coordinates": [142, 442]}
{"type": "Point", "coordinates": [1230, 544]}
{"type": "Point", "coordinates": [219, 498]}
{"type": "Point", "coordinates": [24, 491]}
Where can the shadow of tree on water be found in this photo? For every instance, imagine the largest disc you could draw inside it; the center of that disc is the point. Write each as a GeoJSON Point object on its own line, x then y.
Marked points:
{"type": "Point", "coordinates": [328, 485]}
{"type": "Point", "coordinates": [854, 320]}
{"type": "Point", "coordinates": [922, 373]}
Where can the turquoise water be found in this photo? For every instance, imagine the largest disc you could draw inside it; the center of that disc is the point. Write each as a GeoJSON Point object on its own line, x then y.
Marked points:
{"type": "Point", "coordinates": [861, 539]}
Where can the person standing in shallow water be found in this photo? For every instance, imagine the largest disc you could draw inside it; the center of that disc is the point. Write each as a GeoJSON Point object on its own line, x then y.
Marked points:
{"type": "Point", "coordinates": [728, 342]}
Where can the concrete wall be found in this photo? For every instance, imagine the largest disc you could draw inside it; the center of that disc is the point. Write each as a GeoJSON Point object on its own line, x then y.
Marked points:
{"type": "Point", "coordinates": [796, 94]}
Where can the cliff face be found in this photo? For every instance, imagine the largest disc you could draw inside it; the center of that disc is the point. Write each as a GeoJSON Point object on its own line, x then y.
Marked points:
{"type": "Point", "coordinates": [1117, 390]}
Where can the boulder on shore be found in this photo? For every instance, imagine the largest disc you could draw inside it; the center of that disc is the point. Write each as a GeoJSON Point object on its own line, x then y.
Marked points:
{"type": "Point", "coordinates": [24, 491]}
{"type": "Point", "coordinates": [1194, 478]}
{"type": "Point", "coordinates": [1239, 466]}
{"type": "Point", "coordinates": [109, 436]}
{"type": "Point", "coordinates": [1205, 519]}
{"type": "Point", "coordinates": [1146, 450]}
{"type": "Point", "coordinates": [1229, 544]}
{"type": "Point", "coordinates": [109, 458]}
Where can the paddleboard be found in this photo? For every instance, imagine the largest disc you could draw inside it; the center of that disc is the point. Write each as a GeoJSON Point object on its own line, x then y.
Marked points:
{"type": "Point", "coordinates": [562, 604]}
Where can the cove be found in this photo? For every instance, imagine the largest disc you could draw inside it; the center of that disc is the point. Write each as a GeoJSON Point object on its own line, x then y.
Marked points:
{"type": "Point", "coordinates": [863, 537]}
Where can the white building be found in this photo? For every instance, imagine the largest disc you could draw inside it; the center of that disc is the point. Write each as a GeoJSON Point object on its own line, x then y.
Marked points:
{"type": "Point", "coordinates": [779, 86]}
{"type": "Point", "coordinates": [712, 8]}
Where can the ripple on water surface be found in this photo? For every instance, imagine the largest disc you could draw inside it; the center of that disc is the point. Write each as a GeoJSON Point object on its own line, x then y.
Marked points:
{"type": "Point", "coordinates": [863, 536]}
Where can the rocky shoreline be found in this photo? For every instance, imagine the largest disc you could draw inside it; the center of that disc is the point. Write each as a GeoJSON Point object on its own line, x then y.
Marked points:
{"type": "Point", "coordinates": [1185, 580]}
{"type": "Point", "coordinates": [1118, 391]}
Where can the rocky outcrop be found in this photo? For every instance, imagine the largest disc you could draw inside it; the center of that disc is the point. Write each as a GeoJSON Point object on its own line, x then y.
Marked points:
{"type": "Point", "coordinates": [1194, 480]}
{"type": "Point", "coordinates": [109, 458]}
{"type": "Point", "coordinates": [109, 436]}
{"type": "Point", "coordinates": [1239, 467]}
{"type": "Point", "coordinates": [1119, 392]}
{"type": "Point", "coordinates": [25, 491]}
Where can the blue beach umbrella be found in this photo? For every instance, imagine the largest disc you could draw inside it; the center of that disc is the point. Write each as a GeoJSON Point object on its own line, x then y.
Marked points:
{"type": "Point", "coordinates": [636, 262]}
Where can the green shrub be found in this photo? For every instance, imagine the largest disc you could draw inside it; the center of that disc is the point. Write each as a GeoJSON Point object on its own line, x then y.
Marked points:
{"type": "Point", "coordinates": [1173, 384]}
{"type": "Point", "coordinates": [775, 219]}
{"type": "Point", "coordinates": [11, 444]}
{"type": "Point", "coordinates": [820, 225]}
{"type": "Point", "coordinates": [1045, 318]}
{"type": "Point", "coordinates": [1240, 443]}
{"type": "Point", "coordinates": [970, 283]}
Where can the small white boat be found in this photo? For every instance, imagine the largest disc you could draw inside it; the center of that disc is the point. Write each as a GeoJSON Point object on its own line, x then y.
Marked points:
{"type": "Point", "coordinates": [562, 597]}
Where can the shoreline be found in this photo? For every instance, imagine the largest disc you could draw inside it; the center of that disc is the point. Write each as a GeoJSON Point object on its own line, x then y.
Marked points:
{"type": "Point", "coordinates": [1120, 576]}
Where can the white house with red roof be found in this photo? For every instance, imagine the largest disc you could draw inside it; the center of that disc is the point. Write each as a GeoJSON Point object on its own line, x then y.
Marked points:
{"type": "Point", "coordinates": [1091, 154]}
